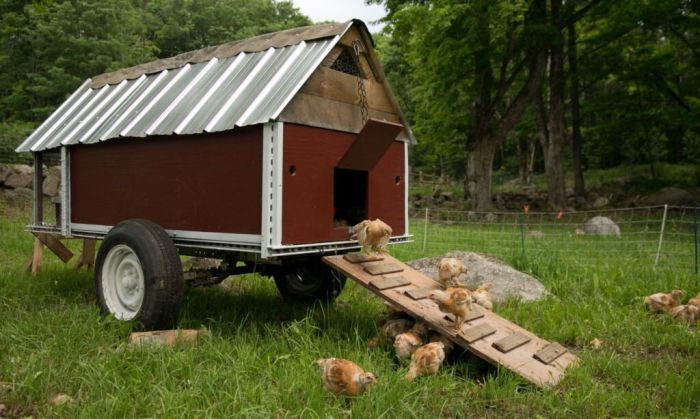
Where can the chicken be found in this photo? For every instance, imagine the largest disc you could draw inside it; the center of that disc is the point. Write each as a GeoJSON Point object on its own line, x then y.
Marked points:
{"type": "Point", "coordinates": [663, 302]}
{"type": "Point", "coordinates": [343, 377]}
{"type": "Point", "coordinates": [372, 234]}
{"type": "Point", "coordinates": [688, 313]}
{"type": "Point", "coordinates": [448, 345]}
{"type": "Point", "coordinates": [406, 343]}
{"type": "Point", "coordinates": [695, 301]}
{"type": "Point", "coordinates": [389, 330]}
{"type": "Point", "coordinates": [482, 296]}
{"type": "Point", "coordinates": [426, 360]}
{"type": "Point", "coordinates": [449, 270]}
{"type": "Point", "coordinates": [456, 301]}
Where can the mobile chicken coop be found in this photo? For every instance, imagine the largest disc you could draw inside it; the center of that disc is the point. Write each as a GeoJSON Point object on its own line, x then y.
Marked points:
{"type": "Point", "coordinates": [260, 152]}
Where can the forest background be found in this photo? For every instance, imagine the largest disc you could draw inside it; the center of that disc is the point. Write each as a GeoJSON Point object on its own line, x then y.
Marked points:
{"type": "Point", "coordinates": [521, 88]}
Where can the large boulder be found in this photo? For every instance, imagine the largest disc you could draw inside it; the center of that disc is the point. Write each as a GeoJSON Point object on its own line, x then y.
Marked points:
{"type": "Point", "coordinates": [21, 177]}
{"type": "Point", "coordinates": [52, 181]}
{"type": "Point", "coordinates": [670, 196]}
{"type": "Point", "coordinates": [507, 282]}
{"type": "Point", "coordinates": [5, 171]}
{"type": "Point", "coordinates": [601, 226]}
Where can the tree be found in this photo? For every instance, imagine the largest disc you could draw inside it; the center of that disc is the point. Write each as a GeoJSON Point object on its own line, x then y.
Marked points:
{"type": "Point", "coordinates": [475, 67]}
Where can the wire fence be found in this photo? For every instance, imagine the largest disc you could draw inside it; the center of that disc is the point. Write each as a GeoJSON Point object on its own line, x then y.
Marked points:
{"type": "Point", "coordinates": [660, 238]}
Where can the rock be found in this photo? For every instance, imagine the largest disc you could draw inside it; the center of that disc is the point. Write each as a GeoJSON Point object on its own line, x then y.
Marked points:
{"type": "Point", "coordinates": [602, 226]}
{"type": "Point", "coordinates": [507, 282]}
{"type": "Point", "coordinates": [670, 196]}
{"type": "Point", "coordinates": [600, 202]}
{"type": "Point", "coordinates": [61, 399]}
{"type": "Point", "coordinates": [24, 169]}
{"type": "Point", "coordinates": [51, 185]}
{"type": "Point", "coordinates": [5, 171]}
{"type": "Point", "coordinates": [18, 180]}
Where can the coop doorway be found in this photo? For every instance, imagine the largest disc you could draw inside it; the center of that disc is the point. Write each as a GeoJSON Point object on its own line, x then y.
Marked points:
{"type": "Point", "coordinates": [349, 197]}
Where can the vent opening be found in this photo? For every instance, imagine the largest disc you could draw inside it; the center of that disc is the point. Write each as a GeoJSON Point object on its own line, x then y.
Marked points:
{"type": "Point", "coordinates": [345, 63]}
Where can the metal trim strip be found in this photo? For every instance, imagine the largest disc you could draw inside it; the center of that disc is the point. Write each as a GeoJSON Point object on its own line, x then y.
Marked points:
{"type": "Point", "coordinates": [92, 113]}
{"type": "Point", "coordinates": [115, 106]}
{"type": "Point", "coordinates": [182, 94]}
{"type": "Point", "coordinates": [58, 123]}
{"type": "Point", "coordinates": [50, 119]}
{"type": "Point", "coordinates": [203, 236]}
{"type": "Point", "coordinates": [231, 67]}
{"type": "Point", "coordinates": [133, 106]}
{"type": "Point", "coordinates": [249, 78]}
{"type": "Point", "coordinates": [305, 77]}
{"type": "Point", "coordinates": [298, 49]}
{"type": "Point", "coordinates": [155, 100]}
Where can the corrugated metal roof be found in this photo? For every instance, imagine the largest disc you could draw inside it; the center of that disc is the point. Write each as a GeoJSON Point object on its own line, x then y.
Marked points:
{"type": "Point", "coordinates": [211, 96]}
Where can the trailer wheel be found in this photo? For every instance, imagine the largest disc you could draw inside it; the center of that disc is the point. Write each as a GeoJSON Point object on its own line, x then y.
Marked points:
{"type": "Point", "coordinates": [309, 280]}
{"type": "Point", "coordinates": [138, 275]}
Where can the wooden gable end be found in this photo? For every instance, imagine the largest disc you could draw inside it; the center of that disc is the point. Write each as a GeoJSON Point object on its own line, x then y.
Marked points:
{"type": "Point", "coordinates": [330, 98]}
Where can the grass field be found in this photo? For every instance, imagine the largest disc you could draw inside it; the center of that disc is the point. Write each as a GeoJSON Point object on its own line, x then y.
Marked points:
{"type": "Point", "coordinates": [258, 359]}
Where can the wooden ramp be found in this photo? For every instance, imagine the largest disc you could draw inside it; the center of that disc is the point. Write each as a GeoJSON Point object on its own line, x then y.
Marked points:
{"type": "Point", "coordinates": [485, 334]}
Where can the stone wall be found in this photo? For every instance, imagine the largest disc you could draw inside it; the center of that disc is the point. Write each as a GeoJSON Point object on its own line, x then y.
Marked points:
{"type": "Point", "coordinates": [20, 178]}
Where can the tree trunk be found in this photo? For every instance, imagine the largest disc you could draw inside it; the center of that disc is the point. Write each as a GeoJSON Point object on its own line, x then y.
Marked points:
{"type": "Point", "coordinates": [579, 187]}
{"type": "Point", "coordinates": [557, 133]}
{"type": "Point", "coordinates": [479, 164]}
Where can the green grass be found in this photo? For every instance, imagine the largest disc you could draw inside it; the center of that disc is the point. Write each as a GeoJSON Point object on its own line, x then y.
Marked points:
{"type": "Point", "coordinates": [257, 360]}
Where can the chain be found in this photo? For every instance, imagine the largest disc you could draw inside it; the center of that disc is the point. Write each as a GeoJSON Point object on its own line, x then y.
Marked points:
{"type": "Point", "coordinates": [362, 93]}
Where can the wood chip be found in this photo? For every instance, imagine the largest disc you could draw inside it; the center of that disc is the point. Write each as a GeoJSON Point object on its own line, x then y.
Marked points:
{"type": "Point", "coordinates": [386, 282]}
{"type": "Point", "coordinates": [477, 332]}
{"type": "Point", "coordinates": [549, 353]}
{"type": "Point", "coordinates": [382, 268]}
{"type": "Point", "coordinates": [511, 342]}
{"type": "Point", "coordinates": [420, 293]}
{"type": "Point", "coordinates": [361, 257]}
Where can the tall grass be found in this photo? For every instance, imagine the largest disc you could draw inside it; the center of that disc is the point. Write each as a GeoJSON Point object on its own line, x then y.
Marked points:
{"type": "Point", "coordinates": [258, 359]}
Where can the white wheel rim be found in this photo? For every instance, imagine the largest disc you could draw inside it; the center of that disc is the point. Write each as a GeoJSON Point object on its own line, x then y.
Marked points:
{"type": "Point", "coordinates": [123, 282]}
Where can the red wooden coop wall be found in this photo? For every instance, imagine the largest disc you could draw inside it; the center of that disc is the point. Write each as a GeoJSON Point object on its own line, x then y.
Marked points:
{"type": "Point", "coordinates": [307, 211]}
{"type": "Point", "coordinates": [207, 182]}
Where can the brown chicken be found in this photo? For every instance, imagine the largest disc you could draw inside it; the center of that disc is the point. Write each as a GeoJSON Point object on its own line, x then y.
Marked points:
{"type": "Point", "coordinates": [372, 234]}
{"type": "Point", "coordinates": [695, 301]}
{"type": "Point", "coordinates": [426, 360]}
{"type": "Point", "coordinates": [449, 270]}
{"type": "Point", "coordinates": [448, 345]}
{"type": "Point", "coordinates": [687, 313]}
{"type": "Point", "coordinates": [456, 301]}
{"type": "Point", "coordinates": [663, 302]}
{"type": "Point", "coordinates": [405, 344]}
{"type": "Point", "coordinates": [389, 330]}
{"type": "Point", "coordinates": [482, 296]}
{"type": "Point", "coordinates": [343, 377]}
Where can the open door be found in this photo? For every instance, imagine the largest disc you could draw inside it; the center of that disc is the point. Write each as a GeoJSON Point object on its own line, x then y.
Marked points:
{"type": "Point", "coordinates": [370, 145]}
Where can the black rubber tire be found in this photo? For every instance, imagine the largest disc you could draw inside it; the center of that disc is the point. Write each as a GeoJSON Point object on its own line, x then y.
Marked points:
{"type": "Point", "coordinates": [309, 280]}
{"type": "Point", "coordinates": [164, 285]}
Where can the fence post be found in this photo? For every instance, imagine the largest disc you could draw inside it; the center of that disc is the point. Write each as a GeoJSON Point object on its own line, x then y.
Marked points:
{"type": "Point", "coordinates": [522, 234]}
{"type": "Point", "coordinates": [695, 224]}
{"type": "Point", "coordinates": [661, 236]}
{"type": "Point", "coordinates": [425, 230]}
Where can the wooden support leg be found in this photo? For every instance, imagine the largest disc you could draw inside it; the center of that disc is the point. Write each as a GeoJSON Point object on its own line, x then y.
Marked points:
{"type": "Point", "coordinates": [55, 246]}
{"type": "Point", "coordinates": [87, 256]}
{"type": "Point", "coordinates": [33, 265]}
